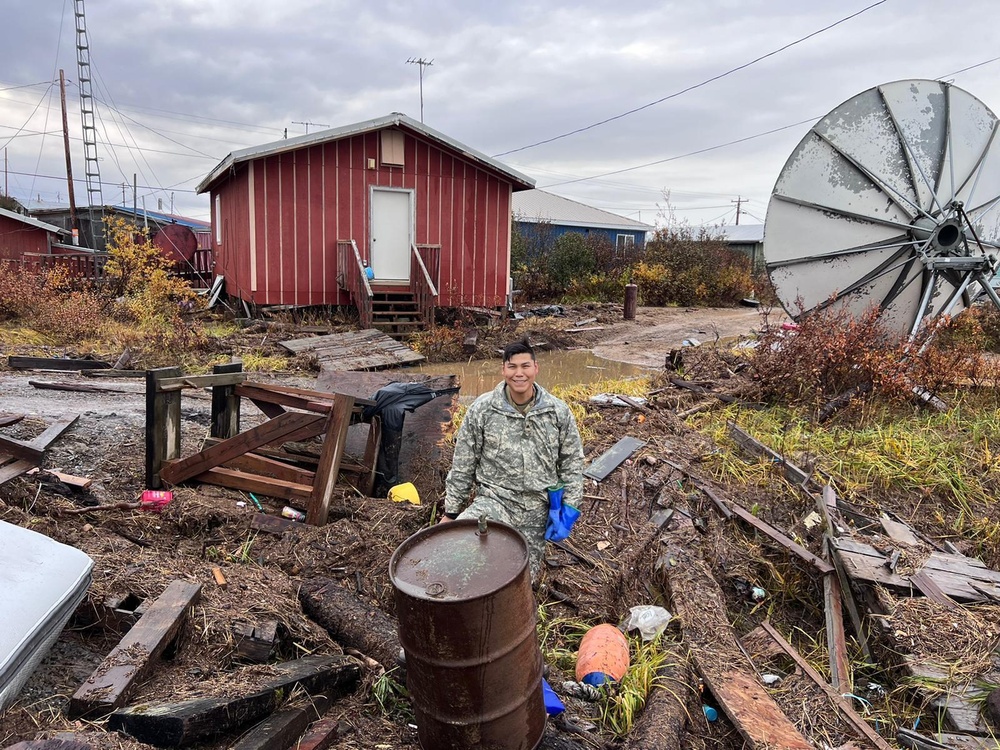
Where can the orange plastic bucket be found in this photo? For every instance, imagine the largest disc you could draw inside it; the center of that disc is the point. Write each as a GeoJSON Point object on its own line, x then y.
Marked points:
{"type": "Point", "coordinates": [603, 651]}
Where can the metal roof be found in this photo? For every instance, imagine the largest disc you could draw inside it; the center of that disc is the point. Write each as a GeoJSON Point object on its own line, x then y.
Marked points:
{"type": "Point", "coordinates": [742, 232]}
{"type": "Point", "coordinates": [396, 119]}
{"type": "Point", "coordinates": [538, 206]}
{"type": "Point", "coordinates": [33, 222]}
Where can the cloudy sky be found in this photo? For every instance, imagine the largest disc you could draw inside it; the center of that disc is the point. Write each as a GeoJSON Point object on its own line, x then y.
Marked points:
{"type": "Point", "coordinates": [181, 83]}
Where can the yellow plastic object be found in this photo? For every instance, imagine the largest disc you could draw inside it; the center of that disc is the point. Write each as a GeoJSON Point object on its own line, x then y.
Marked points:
{"type": "Point", "coordinates": [405, 492]}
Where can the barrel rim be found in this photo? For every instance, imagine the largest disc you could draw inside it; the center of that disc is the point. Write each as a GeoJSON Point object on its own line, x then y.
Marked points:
{"type": "Point", "coordinates": [416, 537]}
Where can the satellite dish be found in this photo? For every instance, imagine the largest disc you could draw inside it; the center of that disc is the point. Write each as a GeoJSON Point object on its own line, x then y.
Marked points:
{"type": "Point", "coordinates": [891, 200]}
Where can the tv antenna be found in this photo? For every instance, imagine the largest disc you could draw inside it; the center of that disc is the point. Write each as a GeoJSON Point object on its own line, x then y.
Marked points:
{"type": "Point", "coordinates": [891, 200]}
{"type": "Point", "coordinates": [307, 124]}
{"type": "Point", "coordinates": [423, 64]}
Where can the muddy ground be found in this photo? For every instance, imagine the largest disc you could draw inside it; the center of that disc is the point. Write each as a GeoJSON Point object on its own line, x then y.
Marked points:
{"type": "Point", "coordinates": [138, 553]}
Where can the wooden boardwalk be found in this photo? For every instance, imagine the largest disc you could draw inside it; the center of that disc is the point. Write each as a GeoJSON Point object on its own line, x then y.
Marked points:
{"type": "Point", "coordinates": [369, 349]}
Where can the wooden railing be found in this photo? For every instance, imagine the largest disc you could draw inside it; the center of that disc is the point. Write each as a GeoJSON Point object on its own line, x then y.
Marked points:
{"type": "Point", "coordinates": [199, 270]}
{"type": "Point", "coordinates": [78, 265]}
{"type": "Point", "coordinates": [351, 277]}
{"type": "Point", "coordinates": [425, 267]}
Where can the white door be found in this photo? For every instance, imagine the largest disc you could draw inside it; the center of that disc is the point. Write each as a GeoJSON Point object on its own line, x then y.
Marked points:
{"type": "Point", "coordinates": [391, 235]}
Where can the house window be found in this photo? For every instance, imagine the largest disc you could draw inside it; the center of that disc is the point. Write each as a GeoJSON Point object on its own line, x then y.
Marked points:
{"type": "Point", "coordinates": [218, 219]}
{"type": "Point", "coordinates": [392, 148]}
{"type": "Point", "coordinates": [624, 244]}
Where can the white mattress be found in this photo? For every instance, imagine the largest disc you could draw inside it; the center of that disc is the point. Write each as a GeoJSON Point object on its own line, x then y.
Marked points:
{"type": "Point", "coordinates": [41, 583]}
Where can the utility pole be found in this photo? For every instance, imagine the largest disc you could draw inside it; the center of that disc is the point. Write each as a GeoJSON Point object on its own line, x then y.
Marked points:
{"type": "Point", "coordinates": [423, 64]}
{"type": "Point", "coordinates": [74, 227]}
{"type": "Point", "coordinates": [739, 202]}
{"type": "Point", "coordinates": [134, 207]}
{"type": "Point", "coordinates": [307, 124]}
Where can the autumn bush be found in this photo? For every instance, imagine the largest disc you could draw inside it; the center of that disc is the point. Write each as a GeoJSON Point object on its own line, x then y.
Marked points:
{"type": "Point", "coordinates": [834, 355]}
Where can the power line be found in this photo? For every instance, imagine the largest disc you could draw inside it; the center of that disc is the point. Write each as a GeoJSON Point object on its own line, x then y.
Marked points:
{"type": "Point", "coordinates": [971, 67]}
{"type": "Point", "coordinates": [684, 156]}
{"type": "Point", "coordinates": [695, 86]}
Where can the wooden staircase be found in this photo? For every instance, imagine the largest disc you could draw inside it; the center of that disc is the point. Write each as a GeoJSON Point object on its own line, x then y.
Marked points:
{"type": "Point", "coordinates": [396, 312]}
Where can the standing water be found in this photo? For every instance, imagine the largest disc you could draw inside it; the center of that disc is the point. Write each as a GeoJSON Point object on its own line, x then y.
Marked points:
{"type": "Point", "coordinates": [577, 367]}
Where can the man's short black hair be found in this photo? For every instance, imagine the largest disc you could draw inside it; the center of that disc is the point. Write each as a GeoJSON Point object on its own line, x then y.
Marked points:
{"type": "Point", "coordinates": [518, 347]}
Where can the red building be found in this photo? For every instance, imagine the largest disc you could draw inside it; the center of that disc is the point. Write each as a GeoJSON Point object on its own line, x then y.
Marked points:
{"type": "Point", "coordinates": [295, 221]}
{"type": "Point", "coordinates": [22, 237]}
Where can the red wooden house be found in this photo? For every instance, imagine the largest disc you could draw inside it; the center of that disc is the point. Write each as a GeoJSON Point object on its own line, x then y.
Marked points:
{"type": "Point", "coordinates": [296, 221]}
{"type": "Point", "coordinates": [22, 236]}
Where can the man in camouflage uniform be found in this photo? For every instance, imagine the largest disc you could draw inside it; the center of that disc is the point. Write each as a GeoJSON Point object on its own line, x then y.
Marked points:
{"type": "Point", "coordinates": [515, 441]}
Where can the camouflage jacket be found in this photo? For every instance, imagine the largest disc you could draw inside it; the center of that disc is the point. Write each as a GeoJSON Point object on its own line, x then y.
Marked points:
{"type": "Point", "coordinates": [510, 458]}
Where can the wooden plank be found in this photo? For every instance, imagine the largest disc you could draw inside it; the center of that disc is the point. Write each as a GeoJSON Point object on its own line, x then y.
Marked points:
{"type": "Point", "coordinates": [200, 719]}
{"type": "Point", "coordinates": [55, 363]}
{"type": "Point", "coordinates": [275, 429]}
{"type": "Point", "coordinates": [163, 422]}
{"type": "Point", "coordinates": [280, 730]}
{"type": "Point", "coordinates": [845, 708]}
{"type": "Point", "coordinates": [756, 448]}
{"type": "Point", "coordinates": [54, 385]}
{"type": "Point", "coordinates": [70, 480]}
{"type": "Point", "coordinates": [898, 532]}
{"type": "Point", "coordinates": [54, 431]}
{"type": "Point", "coordinates": [226, 404]}
{"type": "Point", "coordinates": [836, 640]}
{"type": "Point", "coordinates": [234, 377]}
{"type": "Point", "coordinates": [269, 467]}
{"type": "Point", "coordinates": [21, 449]}
{"type": "Point", "coordinates": [329, 460]}
{"type": "Point", "coordinates": [239, 480]}
{"type": "Point", "coordinates": [114, 680]}
{"type": "Point", "coordinates": [323, 734]}
{"type": "Point", "coordinates": [700, 605]}
{"type": "Point", "coordinates": [272, 524]}
{"type": "Point", "coordinates": [926, 585]}
{"type": "Point", "coordinates": [6, 420]}
{"type": "Point", "coordinates": [15, 469]}
{"type": "Point", "coordinates": [608, 461]}
{"type": "Point", "coordinates": [311, 394]}
{"type": "Point", "coordinates": [860, 631]}
{"type": "Point", "coordinates": [768, 530]}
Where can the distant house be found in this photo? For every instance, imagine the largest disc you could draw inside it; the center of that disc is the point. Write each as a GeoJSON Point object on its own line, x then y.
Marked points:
{"type": "Point", "coordinates": [89, 220]}
{"type": "Point", "coordinates": [545, 216]}
{"type": "Point", "coordinates": [295, 221]}
{"type": "Point", "coordinates": [23, 237]}
{"type": "Point", "coordinates": [747, 239]}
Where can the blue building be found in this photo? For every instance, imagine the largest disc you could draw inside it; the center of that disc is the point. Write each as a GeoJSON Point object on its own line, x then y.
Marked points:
{"type": "Point", "coordinates": [544, 217]}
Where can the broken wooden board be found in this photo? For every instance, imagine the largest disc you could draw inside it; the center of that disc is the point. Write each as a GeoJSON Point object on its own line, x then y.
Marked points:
{"type": "Point", "coordinates": [323, 734]}
{"type": "Point", "coordinates": [62, 385]}
{"type": "Point", "coordinates": [699, 603]}
{"type": "Point", "coordinates": [111, 683]}
{"type": "Point", "coordinates": [964, 579]}
{"type": "Point", "coordinates": [754, 447]}
{"type": "Point", "coordinates": [255, 642]}
{"type": "Point", "coordinates": [770, 531]}
{"type": "Point", "coordinates": [898, 532]}
{"type": "Point", "coordinates": [186, 722]}
{"type": "Point", "coordinates": [368, 349]}
{"type": "Point", "coordinates": [281, 729]}
{"type": "Point", "coordinates": [862, 727]}
{"type": "Point", "coordinates": [957, 705]}
{"type": "Point", "coordinates": [610, 460]}
{"type": "Point", "coordinates": [8, 419]}
{"type": "Point", "coordinates": [55, 363]}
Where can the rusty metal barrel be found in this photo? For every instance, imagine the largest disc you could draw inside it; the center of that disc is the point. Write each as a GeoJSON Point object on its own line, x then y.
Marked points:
{"type": "Point", "coordinates": [467, 626]}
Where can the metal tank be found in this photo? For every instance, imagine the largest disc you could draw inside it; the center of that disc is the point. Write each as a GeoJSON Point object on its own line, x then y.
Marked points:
{"type": "Point", "coordinates": [467, 626]}
{"type": "Point", "coordinates": [177, 243]}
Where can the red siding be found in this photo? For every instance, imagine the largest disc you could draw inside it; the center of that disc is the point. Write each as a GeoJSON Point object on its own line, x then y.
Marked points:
{"type": "Point", "coordinates": [17, 238]}
{"type": "Point", "coordinates": [306, 200]}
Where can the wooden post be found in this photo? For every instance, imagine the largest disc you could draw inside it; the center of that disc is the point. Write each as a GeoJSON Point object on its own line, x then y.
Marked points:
{"type": "Point", "coordinates": [329, 460]}
{"type": "Point", "coordinates": [370, 459]}
{"type": "Point", "coordinates": [225, 404]}
{"type": "Point", "coordinates": [163, 424]}
{"type": "Point", "coordinates": [631, 300]}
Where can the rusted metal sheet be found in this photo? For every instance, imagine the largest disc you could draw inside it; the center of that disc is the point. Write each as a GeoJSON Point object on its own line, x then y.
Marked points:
{"type": "Point", "coordinates": [613, 457]}
{"type": "Point", "coordinates": [467, 625]}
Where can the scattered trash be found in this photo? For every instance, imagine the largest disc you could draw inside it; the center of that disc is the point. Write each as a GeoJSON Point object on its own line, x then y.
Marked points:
{"type": "Point", "coordinates": [603, 655]}
{"type": "Point", "coordinates": [581, 690]}
{"type": "Point", "coordinates": [650, 620]}
{"type": "Point", "coordinates": [545, 311]}
{"type": "Point", "coordinates": [404, 492]}
{"type": "Point", "coordinates": [749, 591]}
{"type": "Point", "coordinates": [256, 502]}
{"type": "Point", "coordinates": [292, 513]}
{"type": "Point", "coordinates": [710, 713]}
{"type": "Point", "coordinates": [770, 679]}
{"type": "Point", "coordinates": [553, 705]}
{"type": "Point", "coordinates": [240, 504]}
{"type": "Point", "coordinates": [612, 399]}
{"type": "Point", "coordinates": [691, 342]}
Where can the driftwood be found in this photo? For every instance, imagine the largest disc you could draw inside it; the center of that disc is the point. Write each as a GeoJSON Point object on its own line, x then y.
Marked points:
{"type": "Point", "coordinates": [666, 715]}
{"type": "Point", "coordinates": [199, 719]}
{"type": "Point", "coordinates": [351, 621]}
{"type": "Point", "coordinates": [698, 602]}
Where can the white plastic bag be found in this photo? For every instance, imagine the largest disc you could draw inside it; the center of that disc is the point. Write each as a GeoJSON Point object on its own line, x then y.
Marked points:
{"type": "Point", "coordinates": [648, 619]}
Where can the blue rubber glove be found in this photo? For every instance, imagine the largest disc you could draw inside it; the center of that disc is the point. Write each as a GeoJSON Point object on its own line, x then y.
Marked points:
{"type": "Point", "coordinates": [562, 515]}
{"type": "Point", "coordinates": [553, 705]}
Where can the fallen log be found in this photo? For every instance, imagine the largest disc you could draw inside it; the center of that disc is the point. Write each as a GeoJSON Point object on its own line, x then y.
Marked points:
{"type": "Point", "coordinates": [199, 719]}
{"type": "Point", "coordinates": [665, 717]}
{"type": "Point", "coordinates": [698, 602]}
{"type": "Point", "coordinates": [352, 622]}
